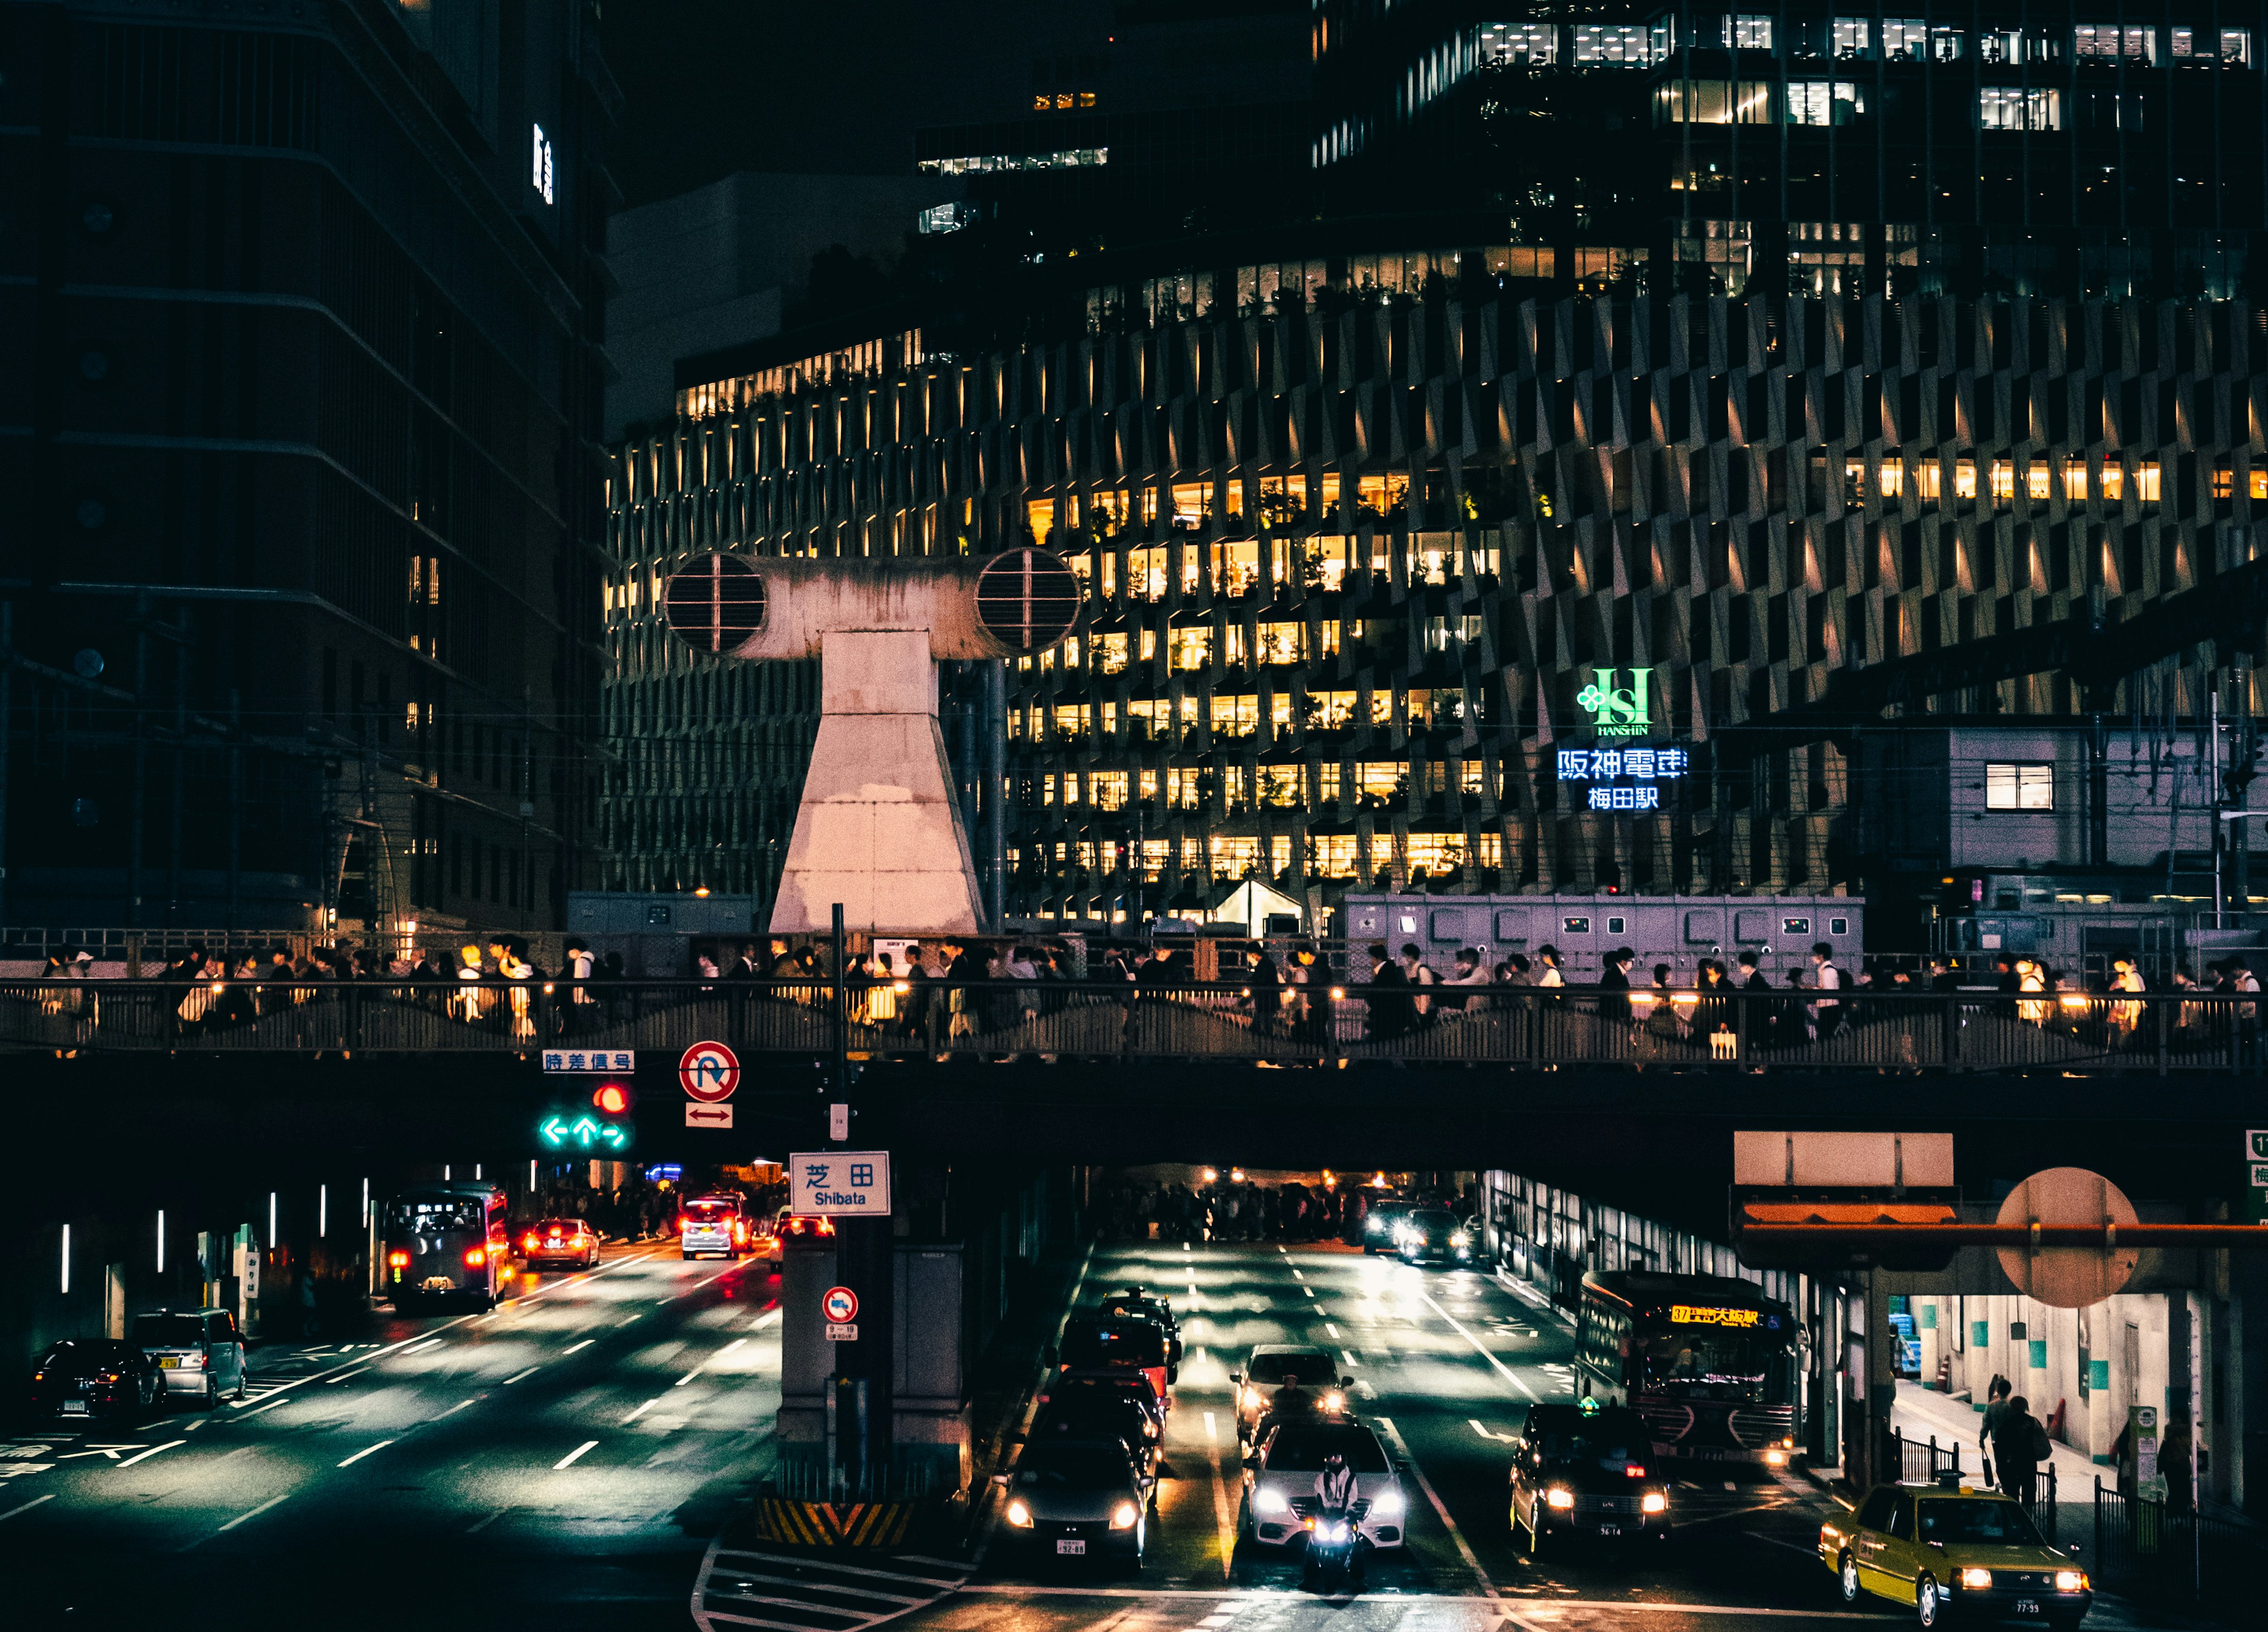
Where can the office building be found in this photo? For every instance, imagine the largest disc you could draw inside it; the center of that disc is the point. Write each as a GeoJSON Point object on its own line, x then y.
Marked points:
{"type": "Point", "coordinates": [298, 414]}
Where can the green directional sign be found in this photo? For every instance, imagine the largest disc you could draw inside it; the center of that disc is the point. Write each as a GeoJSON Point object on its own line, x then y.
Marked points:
{"type": "Point", "coordinates": [585, 1133]}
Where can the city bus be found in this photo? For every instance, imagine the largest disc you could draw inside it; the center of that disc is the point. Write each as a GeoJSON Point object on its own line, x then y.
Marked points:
{"type": "Point", "coordinates": [1707, 1360]}
{"type": "Point", "coordinates": [444, 1242]}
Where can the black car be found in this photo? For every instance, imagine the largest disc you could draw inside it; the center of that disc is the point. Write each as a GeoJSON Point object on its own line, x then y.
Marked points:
{"type": "Point", "coordinates": [1076, 1499]}
{"type": "Point", "coordinates": [1433, 1234]}
{"type": "Point", "coordinates": [1589, 1470]}
{"type": "Point", "coordinates": [1382, 1225]}
{"type": "Point", "coordinates": [1141, 1303]}
{"type": "Point", "coordinates": [93, 1377]}
{"type": "Point", "coordinates": [1105, 1414]}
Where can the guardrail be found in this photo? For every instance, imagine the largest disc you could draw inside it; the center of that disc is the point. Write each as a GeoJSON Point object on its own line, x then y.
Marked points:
{"type": "Point", "coordinates": [2167, 1551]}
{"type": "Point", "coordinates": [1495, 1026]}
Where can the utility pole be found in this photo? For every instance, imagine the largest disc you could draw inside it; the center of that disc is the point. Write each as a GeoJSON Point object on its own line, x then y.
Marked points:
{"type": "Point", "coordinates": [865, 1261]}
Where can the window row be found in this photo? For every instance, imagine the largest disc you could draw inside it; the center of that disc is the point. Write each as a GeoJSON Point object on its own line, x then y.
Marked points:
{"type": "Point", "coordinates": [1849, 39]}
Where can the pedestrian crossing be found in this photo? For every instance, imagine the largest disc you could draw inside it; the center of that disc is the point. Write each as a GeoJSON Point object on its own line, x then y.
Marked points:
{"type": "Point", "coordinates": [843, 1589]}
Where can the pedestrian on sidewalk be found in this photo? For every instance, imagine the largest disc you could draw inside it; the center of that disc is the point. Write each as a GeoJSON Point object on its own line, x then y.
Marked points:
{"type": "Point", "coordinates": [2020, 1444]}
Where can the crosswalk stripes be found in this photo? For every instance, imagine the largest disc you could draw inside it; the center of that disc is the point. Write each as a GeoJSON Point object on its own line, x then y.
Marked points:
{"type": "Point", "coordinates": [814, 1591]}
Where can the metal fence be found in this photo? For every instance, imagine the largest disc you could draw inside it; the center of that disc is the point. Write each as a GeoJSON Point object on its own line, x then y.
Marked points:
{"type": "Point", "coordinates": [2151, 1549]}
{"type": "Point", "coordinates": [1921, 1460]}
{"type": "Point", "coordinates": [1000, 1020]}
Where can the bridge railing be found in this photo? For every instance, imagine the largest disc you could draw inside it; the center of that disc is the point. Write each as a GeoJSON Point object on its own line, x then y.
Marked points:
{"type": "Point", "coordinates": [1725, 1029]}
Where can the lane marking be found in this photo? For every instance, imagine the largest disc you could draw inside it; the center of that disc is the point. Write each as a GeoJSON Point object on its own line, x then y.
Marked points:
{"type": "Point", "coordinates": [1212, 1428]}
{"type": "Point", "coordinates": [349, 1378]}
{"type": "Point", "coordinates": [687, 1378]}
{"type": "Point", "coordinates": [576, 1455]}
{"type": "Point", "coordinates": [647, 1406]}
{"type": "Point", "coordinates": [1297, 1274]}
{"type": "Point", "coordinates": [516, 1377]}
{"type": "Point", "coordinates": [1502, 1439]}
{"type": "Point", "coordinates": [420, 1346]}
{"type": "Point", "coordinates": [619, 1325]}
{"type": "Point", "coordinates": [732, 1268]}
{"type": "Point", "coordinates": [1480, 1348]}
{"type": "Point", "coordinates": [153, 1451]}
{"type": "Point", "coordinates": [1333, 1330]}
{"type": "Point", "coordinates": [1505, 1606]}
{"type": "Point", "coordinates": [367, 1450]}
{"type": "Point", "coordinates": [490, 1519]}
{"type": "Point", "coordinates": [1224, 1517]}
{"type": "Point", "coordinates": [254, 1513]}
{"type": "Point", "coordinates": [1464, 1547]}
{"type": "Point", "coordinates": [452, 1411]}
{"type": "Point", "coordinates": [1347, 1354]}
{"type": "Point", "coordinates": [26, 1507]}
{"type": "Point", "coordinates": [572, 1348]}
{"type": "Point", "coordinates": [764, 1319]}
{"type": "Point", "coordinates": [730, 1346]}
{"type": "Point", "coordinates": [1309, 1290]}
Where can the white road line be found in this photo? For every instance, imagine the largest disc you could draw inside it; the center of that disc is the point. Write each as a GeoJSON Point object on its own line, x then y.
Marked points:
{"type": "Point", "coordinates": [421, 1346]}
{"type": "Point", "coordinates": [255, 1513]}
{"type": "Point", "coordinates": [452, 1411]}
{"type": "Point", "coordinates": [730, 1346]}
{"type": "Point", "coordinates": [347, 1378]}
{"type": "Point", "coordinates": [151, 1451]}
{"type": "Point", "coordinates": [1212, 1428]}
{"type": "Point", "coordinates": [764, 1319]}
{"type": "Point", "coordinates": [1347, 1354]}
{"type": "Point", "coordinates": [620, 1324]}
{"type": "Point", "coordinates": [367, 1450]}
{"type": "Point", "coordinates": [647, 1406]}
{"type": "Point", "coordinates": [572, 1348]}
{"type": "Point", "coordinates": [1309, 1290]}
{"type": "Point", "coordinates": [485, 1523]}
{"type": "Point", "coordinates": [1502, 1439]}
{"type": "Point", "coordinates": [1224, 1517]}
{"type": "Point", "coordinates": [1297, 1274]}
{"type": "Point", "coordinates": [1479, 1347]}
{"type": "Point", "coordinates": [518, 1376]}
{"type": "Point", "coordinates": [1464, 1547]}
{"type": "Point", "coordinates": [27, 1506]}
{"type": "Point", "coordinates": [1333, 1330]}
{"type": "Point", "coordinates": [575, 1455]}
{"type": "Point", "coordinates": [687, 1378]}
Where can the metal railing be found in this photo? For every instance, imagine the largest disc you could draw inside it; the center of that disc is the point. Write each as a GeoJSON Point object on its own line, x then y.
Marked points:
{"type": "Point", "coordinates": [1921, 1460]}
{"type": "Point", "coordinates": [1002, 1020]}
{"type": "Point", "coordinates": [2153, 1550]}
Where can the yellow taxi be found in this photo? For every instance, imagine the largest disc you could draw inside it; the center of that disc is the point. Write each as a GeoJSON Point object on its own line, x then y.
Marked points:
{"type": "Point", "coordinates": [1953, 1550]}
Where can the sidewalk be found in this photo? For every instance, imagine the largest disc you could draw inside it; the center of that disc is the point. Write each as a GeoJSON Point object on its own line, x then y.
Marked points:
{"type": "Point", "coordinates": [1920, 1413]}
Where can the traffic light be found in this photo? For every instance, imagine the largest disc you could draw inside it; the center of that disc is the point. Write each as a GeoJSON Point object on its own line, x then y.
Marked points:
{"type": "Point", "coordinates": [613, 1099]}
{"type": "Point", "coordinates": [593, 1131]}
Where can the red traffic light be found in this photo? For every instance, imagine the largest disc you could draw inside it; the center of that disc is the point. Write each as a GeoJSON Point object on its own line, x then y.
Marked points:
{"type": "Point", "coordinates": [612, 1098]}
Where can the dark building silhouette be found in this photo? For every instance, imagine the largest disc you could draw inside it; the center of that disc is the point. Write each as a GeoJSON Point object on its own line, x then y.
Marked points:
{"type": "Point", "coordinates": [299, 392]}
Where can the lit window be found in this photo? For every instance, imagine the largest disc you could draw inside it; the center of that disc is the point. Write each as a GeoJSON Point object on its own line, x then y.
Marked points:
{"type": "Point", "coordinates": [1911, 39]}
{"type": "Point", "coordinates": [1850, 34]}
{"type": "Point", "coordinates": [2093, 39]}
{"type": "Point", "coordinates": [2005, 108]}
{"type": "Point", "coordinates": [1818, 102]}
{"type": "Point", "coordinates": [1748, 32]}
{"type": "Point", "coordinates": [1613, 42]}
{"type": "Point", "coordinates": [1536, 43]}
{"type": "Point", "coordinates": [2019, 787]}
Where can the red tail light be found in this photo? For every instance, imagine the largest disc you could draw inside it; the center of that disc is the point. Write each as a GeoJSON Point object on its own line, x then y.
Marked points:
{"type": "Point", "coordinates": [1632, 1470]}
{"type": "Point", "coordinates": [400, 1260]}
{"type": "Point", "coordinates": [739, 1232]}
{"type": "Point", "coordinates": [827, 1226]}
{"type": "Point", "coordinates": [475, 1257]}
{"type": "Point", "coordinates": [531, 1243]}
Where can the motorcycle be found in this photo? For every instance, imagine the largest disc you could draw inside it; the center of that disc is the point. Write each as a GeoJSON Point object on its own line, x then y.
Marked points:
{"type": "Point", "coordinates": [1336, 1548]}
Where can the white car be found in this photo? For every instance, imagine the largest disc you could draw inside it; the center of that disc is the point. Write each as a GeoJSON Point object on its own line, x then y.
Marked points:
{"type": "Point", "coordinates": [1279, 1484]}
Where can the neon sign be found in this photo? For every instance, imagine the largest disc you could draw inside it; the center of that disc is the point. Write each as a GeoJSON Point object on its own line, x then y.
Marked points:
{"type": "Point", "coordinates": [1698, 1314]}
{"type": "Point", "coordinates": [1642, 766]}
{"type": "Point", "coordinates": [1616, 712]}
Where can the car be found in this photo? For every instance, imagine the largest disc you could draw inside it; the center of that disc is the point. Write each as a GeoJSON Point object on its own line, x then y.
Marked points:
{"type": "Point", "coordinates": [793, 1225]}
{"type": "Point", "coordinates": [561, 1240]}
{"type": "Point", "coordinates": [1140, 1303]}
{"type": "Point", "coordinates": [1134, 1386]}
{"type": "Point", "coordinates": [1106, 1413]}
{"type": "Point", "coordinates": [1271, 1366]}
{"type": "Point", "coordinates": [92, 1377]}
{"type": "Point", "coordinates": [1076, 1498]}
{"type": "Point", "coordinates": [1587, 1470]}
{"type": "Point", "coordinates": [712, 1224]}
{"type": "Point", "coordinates": [1954, 1551]}
{"type": "Point", "coordinates": [1433, 1234]}
{"type": "Point", "coordinates": [1105, 1342]}
{"type": "Point", "coordinates": [198, 1352]}
{"type": "Point", "coordinates": [1279, 1484]}
{"type": "Point", "coordinates": [1381, 1226]}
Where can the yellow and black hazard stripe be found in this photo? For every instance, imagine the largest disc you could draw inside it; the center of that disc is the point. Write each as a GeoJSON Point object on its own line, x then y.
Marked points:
{"type": "Point", "coordinates": [830, 1524]}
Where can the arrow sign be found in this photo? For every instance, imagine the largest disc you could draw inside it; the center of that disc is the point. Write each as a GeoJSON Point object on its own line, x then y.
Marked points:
{"type": "Point", "coordinates": [708, 1116]}
{"type": "Point", "coordinates": [553, 1131]}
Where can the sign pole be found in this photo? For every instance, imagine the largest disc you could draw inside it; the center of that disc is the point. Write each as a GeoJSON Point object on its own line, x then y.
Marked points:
{"type": "Point", "coordinates": [865, 1260]}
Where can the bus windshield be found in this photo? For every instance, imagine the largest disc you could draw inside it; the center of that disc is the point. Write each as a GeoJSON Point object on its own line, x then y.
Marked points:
{"type": "Point", "coordinates": [1709, 1362]}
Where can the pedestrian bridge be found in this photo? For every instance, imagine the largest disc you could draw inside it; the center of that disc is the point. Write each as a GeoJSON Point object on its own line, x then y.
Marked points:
{"type": "Point", "coordinates": [1517, 1028]}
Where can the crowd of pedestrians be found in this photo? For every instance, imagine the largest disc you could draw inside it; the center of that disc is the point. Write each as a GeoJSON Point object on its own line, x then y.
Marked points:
{"type": "Point", "coordinates": [1233, 1208]}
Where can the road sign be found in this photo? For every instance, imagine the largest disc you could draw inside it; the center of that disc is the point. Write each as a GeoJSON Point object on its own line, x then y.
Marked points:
{"type": "Point", "coordinates": [839, 1304]}
{"type": "Point", "coordinates": [710, 1071]}
{"type": "Point", "coordinates": [584, 1131]}
{"type": "Point", "coordinates": [841, 1332]}
{"type": "Point", "coordinates": [708, 1116]}
{"type": "Point", "coordinates": [840, 1184]}
{"type": "Point", "coordinates": [2256, 1172]}
{"type": "Point", "coordinates": [608, 1060]}
{"type": "Point", "coordinates": [2069, 1277]}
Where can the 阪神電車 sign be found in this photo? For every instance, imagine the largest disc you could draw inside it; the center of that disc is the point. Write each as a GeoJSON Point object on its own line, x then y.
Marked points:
{"type": "Point", "coordinates": [840, 1184]}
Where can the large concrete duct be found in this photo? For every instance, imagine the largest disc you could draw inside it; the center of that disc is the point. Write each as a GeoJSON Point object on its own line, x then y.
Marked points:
{"type": "Point", "coordinates": [877, 828]}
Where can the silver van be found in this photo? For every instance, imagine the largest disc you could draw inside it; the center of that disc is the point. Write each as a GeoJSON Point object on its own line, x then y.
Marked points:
{"type": "Point", "coordinates": [198, 1352]}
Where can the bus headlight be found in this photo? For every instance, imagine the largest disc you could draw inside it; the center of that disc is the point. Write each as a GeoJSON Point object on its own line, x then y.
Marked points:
{"type": "Point", "coordinates": [1775, 1457]}
{"type": "Point", "coordinates": [1653, 1502]}
{"type": "Point", "coordinates": [1975, 1580]}
{"type": "Point", "coordinates": [1558, 1499]}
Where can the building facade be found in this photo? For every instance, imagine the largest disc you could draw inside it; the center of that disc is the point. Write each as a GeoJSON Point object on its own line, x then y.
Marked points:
{"type": "Point", "coordinates": [1358, 537]}
{"type": "Point", "coordinates": [300, 382]}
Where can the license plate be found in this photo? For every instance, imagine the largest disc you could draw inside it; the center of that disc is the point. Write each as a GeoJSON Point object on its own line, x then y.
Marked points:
{"type": "Point", "coordinates": [2028, 1606]}
{"type": "Point", "coordinates": [169, 1363]}
{"type": "Point", "coordinates": [75, 1407]}
{"type": "Point", "coordinates": [1072, 1549]}
{"type": "Point", "coordinates": [1610, 1530]}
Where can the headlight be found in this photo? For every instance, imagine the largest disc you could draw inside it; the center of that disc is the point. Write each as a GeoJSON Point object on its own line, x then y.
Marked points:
{"type": "Point", "coordinates": [1653, 1502]}
{"type": "Point", "coordinates": [2071, 1581]}
{"type": "Point", "coordinates": [1252, 1399]}
{"type": "Point", "coordinates": [1375, 1224]}
{"type": "Point", "coordinates": [1560, 1499]}
{"type": "Point", "coordinates": [1775, 1459]}
{"type": "Point", "coordinates": [1267, 1501]}
{"type": "Point", "coordinates": [1335, 1401]}
{"type": "Point", "coordinates": [1461, 1239]}
{"type": "Point", "coordinates": [1974, 1580]}
{"type": "Point", "coordinates": [1018, 1514]}
{"type": "Point", "coordinates": [1123, 1516]}
{"type": "Point", "coordinates": [1387, 1505]}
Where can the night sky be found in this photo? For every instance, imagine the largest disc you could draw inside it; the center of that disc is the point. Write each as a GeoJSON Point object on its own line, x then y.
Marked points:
{"type": "Point", "coordinates": [834, 86]}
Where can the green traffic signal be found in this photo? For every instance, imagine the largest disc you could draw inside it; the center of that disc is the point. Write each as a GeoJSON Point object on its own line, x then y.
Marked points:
{"type": "Point", "coordinates": [583, 1132]}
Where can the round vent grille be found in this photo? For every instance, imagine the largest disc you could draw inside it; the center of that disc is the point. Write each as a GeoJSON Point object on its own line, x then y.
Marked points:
{"type": "Point", "coordinates": [715, 604]}
{"type": "Point", "coordinates": [1026, 599]}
